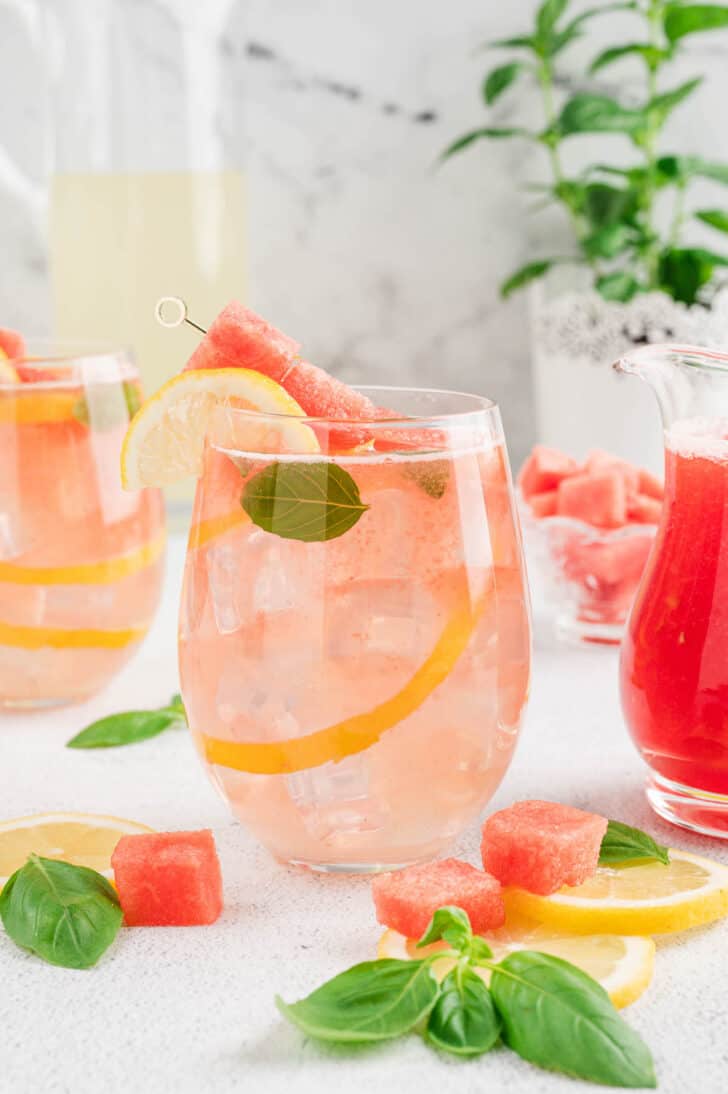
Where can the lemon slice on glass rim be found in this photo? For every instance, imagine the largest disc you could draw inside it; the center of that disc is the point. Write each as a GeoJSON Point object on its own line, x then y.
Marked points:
{"type": "Point", "coordinates": [621, 964]}
{"type": "Point", "coordinates": [166, 438]}
{"type": "Point", "coordinates": [85, 839]}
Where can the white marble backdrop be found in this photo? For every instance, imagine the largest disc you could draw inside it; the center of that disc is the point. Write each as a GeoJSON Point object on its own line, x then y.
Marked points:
{"type": "Point", "coordinates": [386, 267]}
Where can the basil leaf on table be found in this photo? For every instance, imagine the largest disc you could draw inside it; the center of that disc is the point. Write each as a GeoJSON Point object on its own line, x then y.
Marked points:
{"type": "Point", "coordinates": [68, 915]}
{"type": "Point", "coordinates": [308, 501]}
{"type": "Point", "coordinates": [463, 1020]}
{"type": "Point", "coordinates": [624, 844]}
{"type": "Point", "coordinates": [556, 1016]}
{"type": "Point", "coordinates": [372, 1001]}
{"type": "Point", "coordinates": [130, 726]}
{"type": "Point", "coordinates": [451, 925]}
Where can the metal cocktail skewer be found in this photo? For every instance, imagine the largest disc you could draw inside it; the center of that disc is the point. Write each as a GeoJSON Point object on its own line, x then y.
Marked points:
{"type": "Point", "coordinates": [177, 319]}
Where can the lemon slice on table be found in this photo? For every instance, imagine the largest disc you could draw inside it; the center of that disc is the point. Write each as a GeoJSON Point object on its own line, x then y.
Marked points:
{"type": "Point", "coordinates": [85, 839]}
{"type": "Point", "coordinates": [622, 965]}
{"type": "Point", "coordinates": [165, 440]}
{"type": "Point", "coordinates": [647, 898]}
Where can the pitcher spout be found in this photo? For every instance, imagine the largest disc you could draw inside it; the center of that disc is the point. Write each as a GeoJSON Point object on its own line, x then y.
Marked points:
{"type": "Point", "coordinates": [688, 381]}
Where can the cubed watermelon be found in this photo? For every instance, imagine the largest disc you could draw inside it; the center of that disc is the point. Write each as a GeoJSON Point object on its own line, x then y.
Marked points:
{"type": "Point", "coordinates": [597, 460]}
{"type": "Point", "coordinates": [168, 879]}
{"type": "Point", "coordinates": [544, 469]}
{"type": "Point", "coordinates": [406, 900]}
{"type": "Point", "coordinates": [644, 509]}
{"type": "Point", "coordinates": [544, 504]}
{"type": "Point", "coordinates": [650, 485]}
{"type": "Point", "coordinates": [608, 563]}
{"type": "Point", "coordinates": [540, 846]}
{"type": "Point", "coordinates": [599, 499]}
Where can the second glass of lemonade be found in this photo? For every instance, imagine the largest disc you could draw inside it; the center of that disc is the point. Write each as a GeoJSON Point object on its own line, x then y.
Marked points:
{"type": "Point", "coordinates": [81, 560]}
{"type": "Point", "coordinates": [354, 633]}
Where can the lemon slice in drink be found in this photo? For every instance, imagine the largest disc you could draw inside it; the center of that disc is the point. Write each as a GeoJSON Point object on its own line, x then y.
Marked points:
{"type": "Point", "coordinates": [85, 839]}
{"type": "Point", "coordinates": [622, 965]}
{"type": "Point", "coordinates": [647, 898]}
{"type": "Point", "coordinates": [165, 440]}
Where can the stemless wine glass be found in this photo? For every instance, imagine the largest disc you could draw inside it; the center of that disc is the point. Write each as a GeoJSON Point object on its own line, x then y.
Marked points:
{"type": "Point", "coordinates": [81, 560]}
{"type": "Point", "coordinates": [355, 633]}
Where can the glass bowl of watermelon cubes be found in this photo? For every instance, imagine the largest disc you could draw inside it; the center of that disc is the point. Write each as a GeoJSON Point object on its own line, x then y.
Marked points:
{"type": "Point", "coordinates": [588, 529]}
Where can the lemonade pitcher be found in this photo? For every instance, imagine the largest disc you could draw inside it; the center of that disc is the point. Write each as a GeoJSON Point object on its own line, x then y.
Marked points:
{"type": "Point", "coordinates": [674, 665]}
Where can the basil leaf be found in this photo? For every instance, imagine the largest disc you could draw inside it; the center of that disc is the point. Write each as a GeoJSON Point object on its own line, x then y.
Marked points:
{"type": "Point", "coordinates": [131, 726]}
{"type": "Point", "coordinates": [369, 1002]}
{"type": "Point", "coordinates": [432, 476]}
{"type": "Point", "coordinates": [463, 1020]}
{"type": "Point", "coordinates": [310, 501]}
{"type": "Point", "coordinates": [68, 915]}
{"type": "Point", "coordinates": [624, 844]}
{"type": "Point", "coordinates": [557, 1017]}
{"type": "Point", "coordinates": [523, 276]}
{"type": "Point", "coordinates": [480, 952]}
{"type": "Point", "coordinates": [452, 926]}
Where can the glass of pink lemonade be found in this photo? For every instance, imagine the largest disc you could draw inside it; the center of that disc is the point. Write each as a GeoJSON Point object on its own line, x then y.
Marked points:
{"type": "Point", "coordinates": [354, 633]}
{"type": "Point", "coordinates": [81, 560]}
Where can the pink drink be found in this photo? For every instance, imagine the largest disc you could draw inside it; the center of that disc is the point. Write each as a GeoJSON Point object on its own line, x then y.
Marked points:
{"type": "Point", "coordinates": [357, 700]}
{"type": "Point", "coordinates": [81, 561]}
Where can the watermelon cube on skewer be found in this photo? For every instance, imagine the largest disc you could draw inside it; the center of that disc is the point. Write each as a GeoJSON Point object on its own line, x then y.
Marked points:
{"type": "Point", "coordinates": [407, 900]}
{"type": "Point", "coordinates": [168, 879]}
{"type": "Point", "coordinates": [541, 846]}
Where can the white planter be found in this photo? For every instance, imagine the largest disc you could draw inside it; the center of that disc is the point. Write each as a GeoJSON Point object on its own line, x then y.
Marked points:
{"type": "Point", "coordinates": [581, 402]}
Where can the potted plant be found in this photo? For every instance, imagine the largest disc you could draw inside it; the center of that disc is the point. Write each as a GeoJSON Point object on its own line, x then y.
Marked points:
{"type": "Point", "coordinates": [630, 270]}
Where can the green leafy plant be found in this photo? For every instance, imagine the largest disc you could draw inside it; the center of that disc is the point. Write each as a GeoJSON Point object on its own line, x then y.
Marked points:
{"type": "Point", "coordinates": [545, 1009]}
{"type": "Point", "coordinates": [68, 915]}
{"type": "Point", "coordinates": [131, 726]}
{"type": "Point", "coordinates": [612, 207]}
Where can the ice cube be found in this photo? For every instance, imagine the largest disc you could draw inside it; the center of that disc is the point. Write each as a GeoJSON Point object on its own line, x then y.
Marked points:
{"type": "Point", "coordinates": [335, 800]}
{"type": "Point", "coordinates": [224, 572]}
{"type": "Point", "coordinates": [11, 532]}
{"type": "Point", "coordinates": [382, 617]}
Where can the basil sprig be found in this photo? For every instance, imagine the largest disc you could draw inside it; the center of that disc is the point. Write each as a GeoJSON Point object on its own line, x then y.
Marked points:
{"type": "Point", "coordinates": [622, 844]}
{"type": "Point", "coordinates": [130, 726]}
{"type": "Point", "coordinates": [68, 915]}
{"type": "Point", "coordinates": [545, 1009]}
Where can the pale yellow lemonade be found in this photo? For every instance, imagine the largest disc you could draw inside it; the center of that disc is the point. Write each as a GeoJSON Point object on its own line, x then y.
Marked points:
{"type": "Point", "coordinates": [81, 561]}
{"type": "Point", "coordinates": [357, 701]}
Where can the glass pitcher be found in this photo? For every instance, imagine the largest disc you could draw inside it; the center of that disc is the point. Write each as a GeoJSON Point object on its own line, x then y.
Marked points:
{"type": "Point", "coordinates": [674, 663]}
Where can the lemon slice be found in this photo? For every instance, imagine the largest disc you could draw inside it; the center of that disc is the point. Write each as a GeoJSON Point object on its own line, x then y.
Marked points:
{"type": "Point", "coordinates": [165, 440]}
{"type": "Point", "coordinates": [359, 732]}
{"type": "Point", "coordinates": [622, 965]}
{"type": "Point", "coordinates": [647, 898]}
{"type": "Point", "coordinates": [84, 839]}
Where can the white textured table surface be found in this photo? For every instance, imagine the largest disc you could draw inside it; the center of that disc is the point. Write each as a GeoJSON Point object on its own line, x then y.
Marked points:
{"type": "Point", "coordinates": [191, 1010]}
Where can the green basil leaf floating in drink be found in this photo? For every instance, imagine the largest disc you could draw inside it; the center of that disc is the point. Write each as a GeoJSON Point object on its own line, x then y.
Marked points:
{"type": "Point", "coordinates": [311, 501]}
{"type": "Point", "coordinates": [130, 726]}
{"type": "Point", "coordinates": [556, 1016]}
{"type": "Point", "coordinates": [369, 1002]}
{"type": "Point", "coordinates": [624, 844]}
{"type": "Point", "coordinates": [68, 915]}
{"type": "Point", "coordinates": [432, 476]}
{"type": "Point", "coordinates": [463, 1020]}
{"type": "Point", "coordinates": [451, 925]}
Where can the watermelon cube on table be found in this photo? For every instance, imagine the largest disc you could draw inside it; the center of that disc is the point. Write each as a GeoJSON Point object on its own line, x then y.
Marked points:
{"type": "Point", "coordinates": [540, 845]}
{"type": "Point", "coordinates": [407, 900]}
{"type": "Point", "coordinates": [599, 498]}
{"type": "Point", "coordinates": [544, 469]}
{"type": "Point", "coordinates": [168, 879]}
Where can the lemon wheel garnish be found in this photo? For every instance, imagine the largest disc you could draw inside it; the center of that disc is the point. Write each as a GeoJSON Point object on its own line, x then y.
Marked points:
{"type": "Point", "coordinates": [646, 898]}
{"type": "Point", "coordinates": [623, 965]}
{"type": "Point", "coordinates": [86, 573]}
{"type": "Point", "coordinates": [206, 530]}
{"type": "Point", "coordinates": [38, 407]}
{"type": "Point", "coordinates": [60, 638]}
{"type": "Point", "coordinates": [362, 730]}
{"type": "Point", "coordinates": [166, 438]}
{"type": "Point", "coordinates": [85, 839]}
